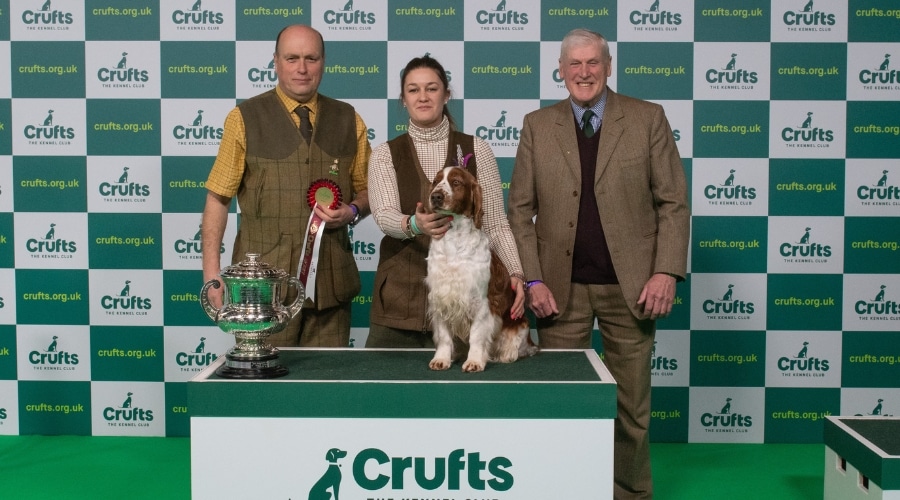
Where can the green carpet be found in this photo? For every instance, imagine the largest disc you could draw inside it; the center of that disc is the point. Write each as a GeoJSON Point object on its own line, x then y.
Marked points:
{"type": "Point", "coordinates": [79, 467]}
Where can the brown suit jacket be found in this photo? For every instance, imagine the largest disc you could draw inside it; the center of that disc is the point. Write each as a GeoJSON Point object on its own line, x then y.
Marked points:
{"type": "Point", "coordinates": [640, 187]}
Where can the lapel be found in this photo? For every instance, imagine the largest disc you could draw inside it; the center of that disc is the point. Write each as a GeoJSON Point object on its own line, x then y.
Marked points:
{"type": "Point", "coordinates": [610, 132]}
{"type": "Point", "coordinates": [565, 137]}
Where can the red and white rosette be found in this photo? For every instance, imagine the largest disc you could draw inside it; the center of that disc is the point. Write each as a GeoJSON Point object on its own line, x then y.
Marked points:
{"type": "Point", "coordinates": [326, 193]}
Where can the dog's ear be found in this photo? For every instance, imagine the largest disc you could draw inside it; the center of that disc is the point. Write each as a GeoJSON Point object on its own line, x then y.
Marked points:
{"type": "Point", "coordinates": [477, 203]}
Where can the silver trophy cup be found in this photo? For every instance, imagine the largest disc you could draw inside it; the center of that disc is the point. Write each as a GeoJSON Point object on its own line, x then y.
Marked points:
{"type": "Point", "coordinates": [252, 310]}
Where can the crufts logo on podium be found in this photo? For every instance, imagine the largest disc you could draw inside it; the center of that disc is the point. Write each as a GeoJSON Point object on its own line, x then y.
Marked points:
{"type": "Point", "coordinates": [654, 19]}
{"type": "Point", "coordinates": [880, 193]}
{"type": "Point", "coordinates": [348, 18]}
{"type": "Point", "coordinates": [121, 75]}
{"type": "Point", "coordinates": [197, 18]}
{"type": "Point", "coordinates": [661, 365]}
{"type": "Point", "coordinates": [731, 76]}
{"type": "Point", "coordinates": [501, 18]}
{"type": "Point", "coordinates": [805, 250]}
{"type": "Point", "coordinates": [729, 193]}
{"type": "Point", "coordinates": [197, 134]}
{"type": "Point", "coordinates": [47, 18]}
{"type": "Point", "coordinates": [808, 19]}
{"type": "Point", "coordinates": [125, 304]}
{"type": "Point", "coordinates": [197, 359]}
{"type": "Point", "coordinates": [124, 190]}
{"type": "Point", "coordinates": [725, 420]}
{"type": "Point", "coordinates": [444, 472]}
{"type": "Point", "coordinates": [882, 78]}
{"type": "Point", "coordinates": [50, 246]}
{"type": "Point", "coordinates": [879, 308]}
{"type": "Point", "coordinates": [728, 307]}
{"type": "Point", "coordinates": [128, 415]}
{"type": "Point", "coordinates": [803, 365]}
{"type": "Point", "coordinates": [48, 133]}
{"type": "Point", "coordinates": [806, 135]}
{"type": "Point", "coordinates": [499, 134]}
{"type": "Point", "coordinates": [53, 358]}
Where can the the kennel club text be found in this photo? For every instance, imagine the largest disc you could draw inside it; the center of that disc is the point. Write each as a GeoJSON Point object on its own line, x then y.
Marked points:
{"type": "Point", "coordinates": [371, 466]}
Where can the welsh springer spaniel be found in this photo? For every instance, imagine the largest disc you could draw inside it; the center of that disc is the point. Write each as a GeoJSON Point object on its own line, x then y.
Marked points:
{"type": "Point", "coordinates": [469, 290]}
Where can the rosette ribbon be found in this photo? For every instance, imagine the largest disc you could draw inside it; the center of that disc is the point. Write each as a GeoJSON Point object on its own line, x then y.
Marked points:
{"type": "Point", "coordinates": [326, 193]}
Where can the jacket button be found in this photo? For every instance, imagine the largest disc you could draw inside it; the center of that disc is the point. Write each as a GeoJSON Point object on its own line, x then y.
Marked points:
{"type": "Point", "coordinates": [571, 224]}
{"type": "Point", "coordinates": [575, 193]}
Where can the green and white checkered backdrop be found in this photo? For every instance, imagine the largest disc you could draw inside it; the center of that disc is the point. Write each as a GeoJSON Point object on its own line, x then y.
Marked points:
{"type": "Point", "coordinates": [786, 112]}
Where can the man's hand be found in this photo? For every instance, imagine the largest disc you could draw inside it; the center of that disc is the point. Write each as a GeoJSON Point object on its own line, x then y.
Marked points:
{"type": "Point", "coordinates": [541, 301]}
{"type": "Point", "coordinates": [339, 217]}
{"type": "Point", "coordinates": [658, 295]}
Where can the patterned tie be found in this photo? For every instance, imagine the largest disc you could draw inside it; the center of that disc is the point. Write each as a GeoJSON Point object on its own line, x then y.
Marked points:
{"type": "Point", "coordinates": [305, 124]}
{"type": "Point", "coordinates": [586, 126]}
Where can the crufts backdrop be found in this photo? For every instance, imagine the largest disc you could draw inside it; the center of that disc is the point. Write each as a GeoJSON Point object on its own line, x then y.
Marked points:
{"type": "Point", "coordinates": [786, 114]}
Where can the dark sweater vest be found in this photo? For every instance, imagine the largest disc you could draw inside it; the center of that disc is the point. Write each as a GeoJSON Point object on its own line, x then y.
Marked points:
{"type": "Point", "coordinates": [399, 298]}
{"type": "Point", "coordinates": [280, 167]}
{"type": "Point", "coordinates": [591, 262]}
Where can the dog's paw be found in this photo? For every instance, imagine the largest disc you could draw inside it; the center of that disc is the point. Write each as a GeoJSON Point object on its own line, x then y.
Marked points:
{"type": "Point", "coordinates": [472, 366]}
{"type": "Point", "coordinates": [439, 364]}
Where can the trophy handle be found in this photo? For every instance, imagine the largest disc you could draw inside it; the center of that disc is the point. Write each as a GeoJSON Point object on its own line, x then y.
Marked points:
{"type": "Point", "coordinates": [210, 309]}
{"type": "Point", "coordinates": [297, 304]}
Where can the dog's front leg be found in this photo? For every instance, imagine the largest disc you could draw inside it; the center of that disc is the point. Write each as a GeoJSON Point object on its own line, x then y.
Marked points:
{"type": "Point", "coordinates": [443, 347]}
{"type": "Point", "coordinates": [480, 338]}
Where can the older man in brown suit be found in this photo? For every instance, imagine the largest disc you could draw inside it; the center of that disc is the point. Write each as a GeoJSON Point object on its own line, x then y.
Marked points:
{"type": "Point", "coordinates": [598, 206]}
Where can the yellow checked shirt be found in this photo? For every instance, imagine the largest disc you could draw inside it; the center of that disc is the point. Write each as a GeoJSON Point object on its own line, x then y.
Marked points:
{"type": "Point", "coordinates": [228, 169]}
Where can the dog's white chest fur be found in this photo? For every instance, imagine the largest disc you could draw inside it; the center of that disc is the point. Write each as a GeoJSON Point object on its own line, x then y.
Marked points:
{"type": "Point", "coordinates": [459, 270]}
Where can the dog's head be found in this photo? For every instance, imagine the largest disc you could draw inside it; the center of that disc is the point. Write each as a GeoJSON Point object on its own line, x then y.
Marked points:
{"type": "Point", "coordinates": [334, 454]}
{"type": "Point", "coordinates": [456, 191]}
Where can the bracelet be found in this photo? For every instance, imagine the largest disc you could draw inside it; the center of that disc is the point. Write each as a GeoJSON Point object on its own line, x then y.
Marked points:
{"type": "Point", "coordinates": [532, 283]}
{"type": "Point", "coordinates": [408, 232]}
{"type": "Point", "coordinates": [412, 224]}
{"type": "Point", "coordinates": [356, 216]}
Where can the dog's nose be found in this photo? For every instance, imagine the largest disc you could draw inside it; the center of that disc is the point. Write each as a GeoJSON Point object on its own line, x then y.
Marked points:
{"type": "Point", "coordinates": [437, 199]}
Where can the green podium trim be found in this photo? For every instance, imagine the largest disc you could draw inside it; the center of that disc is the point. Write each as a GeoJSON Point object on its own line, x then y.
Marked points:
{"type": "Point", "coordinates": [386, 383]}
{"type": "Point", "coordinates": [863, 441]}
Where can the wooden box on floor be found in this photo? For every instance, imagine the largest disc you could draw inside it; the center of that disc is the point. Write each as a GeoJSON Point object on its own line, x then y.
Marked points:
{"type": "Point", "coordinates": [378, 423]}
{"type": "Point", "coordinates": [862, 458]}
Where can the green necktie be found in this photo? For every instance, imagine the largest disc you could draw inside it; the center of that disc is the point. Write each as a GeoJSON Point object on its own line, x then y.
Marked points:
{"type": "Point", "coordinates": [586, 126]}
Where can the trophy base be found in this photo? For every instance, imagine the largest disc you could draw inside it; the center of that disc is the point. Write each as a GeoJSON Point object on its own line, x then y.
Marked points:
{"type": "Point", "coordinates": [254, 367]}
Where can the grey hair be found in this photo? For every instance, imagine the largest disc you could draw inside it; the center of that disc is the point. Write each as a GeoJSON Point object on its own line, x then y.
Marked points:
{"type": "Point", "coordinates": [582, 36]}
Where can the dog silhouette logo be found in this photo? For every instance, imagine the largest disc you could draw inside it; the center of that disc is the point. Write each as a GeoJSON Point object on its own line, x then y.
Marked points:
{"type": "Point", "coordinates": [808, 7]}
{"type": "Point", "coordinates": [124, 177]}
{"type": "Point", "coordinates": [199, 120]}
{"type": "Point", "coordinates": [201, 347]}
{"type": "Point", "coordinates": [501, 6]}
{"type": "Point", "coordinates": [52, 346]}
{"type": "Point", "coordinates": [51, 233]}
{"type": "Point", "coordinates": [196, 6]}
{"type": "Point", "coordinates": [48, 122]}
{"type": "Point", "coordinates": [728, 293]}
{"type": "Point", "coordinates": [731, 63]}
{"type": "Point", "coordinates": [730, 180]}
{"type": "Point", "coordinates": [127, 402]}
{"type": "Point", "coordinates": [46, 6]}
{"type": "Point", "coordinates": [805, 238]}
{"type": "Point", "coordinates": [502, 121]}
{"type": "Point", "coordinates": [885, 63]}
{"type": "Point", "coordinates": [808, 121]}
{"type": "Point", "coordinates": [876, 412]}
{"type": "Point", "coordinates": [655, 6]}
{"type": "Point", "coordinates": [727, 408]}
{"type": "Point", "coordinates": [883, 180]}
{"type": "Point", "coordinates": [877, 409]}
{"type": "Point", "coordinates": [126, 291]}
{"type": "Point", "coordinates": [198, 235]}
{"type": "Point", "coordinates": [802, 353]}
{"type": "Point", "coordinates": [122, 62]}
{"type": "Point", "coordinates": [348, 6]}
{"type": "Point", "coordinates": [330, 482]}
{"type": "Point", "coordinates": [880, 296]}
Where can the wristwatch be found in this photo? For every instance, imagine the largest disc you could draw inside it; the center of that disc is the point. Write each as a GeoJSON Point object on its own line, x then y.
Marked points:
{"type": "Point", "coordinates": [356, 216]}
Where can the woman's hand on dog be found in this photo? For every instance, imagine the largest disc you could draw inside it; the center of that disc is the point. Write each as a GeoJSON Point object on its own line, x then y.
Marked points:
{"type": "Point", "coordinates": [432, 224]}
{"type": "Point", "coordinates": [518, 307]}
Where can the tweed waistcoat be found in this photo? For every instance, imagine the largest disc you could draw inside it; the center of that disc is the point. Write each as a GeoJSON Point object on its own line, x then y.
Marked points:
{"type": "Point", "coordinates": [399, 299]}
{"type": "Point", "coordinates": [280, 167]}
